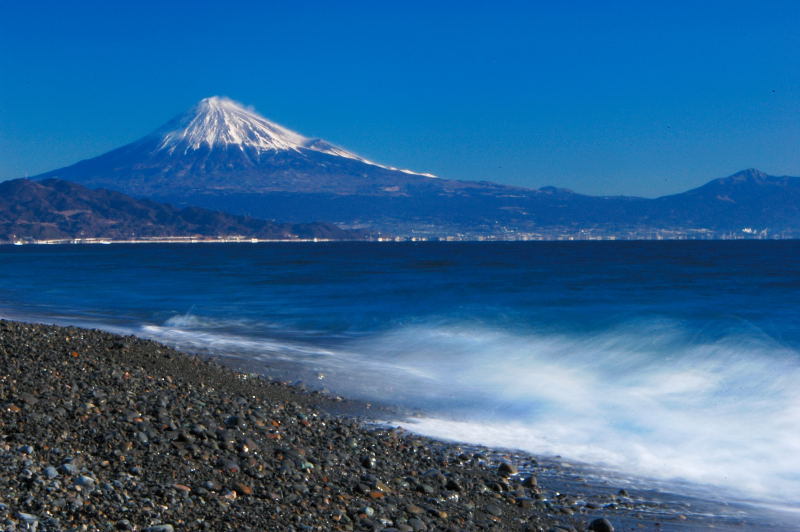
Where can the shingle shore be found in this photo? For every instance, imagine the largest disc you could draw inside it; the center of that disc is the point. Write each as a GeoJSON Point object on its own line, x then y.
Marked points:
{"type": "Point", "coordinates": [104, 432]}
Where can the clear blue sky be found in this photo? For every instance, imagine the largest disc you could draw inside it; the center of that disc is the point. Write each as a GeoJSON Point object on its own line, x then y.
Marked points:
{"type": "Point", "coordinates": [643, 98]}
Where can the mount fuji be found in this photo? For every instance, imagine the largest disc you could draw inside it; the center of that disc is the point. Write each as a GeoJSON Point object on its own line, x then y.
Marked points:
{"type": "Point", "coordinates": [221, 155]}
{"type": "Point", "coordinates": [220, 147]}
{"type": "Point", "coordinates": [224, 156]}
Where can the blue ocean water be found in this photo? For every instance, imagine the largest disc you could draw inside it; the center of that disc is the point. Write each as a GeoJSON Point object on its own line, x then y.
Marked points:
{"type": "Point", "coordinates": [677, 361]}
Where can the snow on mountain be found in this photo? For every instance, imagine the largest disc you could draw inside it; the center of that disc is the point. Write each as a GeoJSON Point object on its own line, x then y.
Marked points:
{"type": "Point", "coordinates": [218, 121]}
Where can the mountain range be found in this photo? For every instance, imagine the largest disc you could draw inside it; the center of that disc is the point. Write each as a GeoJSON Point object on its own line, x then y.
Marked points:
{"type": "Point", "coordinates": [222, 155]}
{"type": "Point", "coordinates": [54, 209]}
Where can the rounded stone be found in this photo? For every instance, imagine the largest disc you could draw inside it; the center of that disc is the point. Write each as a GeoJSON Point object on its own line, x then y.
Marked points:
{"type": "Point", "coordinates": [601, 525]}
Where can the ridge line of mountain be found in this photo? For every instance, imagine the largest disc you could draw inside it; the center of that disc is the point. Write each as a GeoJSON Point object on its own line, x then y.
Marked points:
{"type": "Point", "coordinates": [222, 156]}
{"type": "Point", "coordinates": [58, 211]}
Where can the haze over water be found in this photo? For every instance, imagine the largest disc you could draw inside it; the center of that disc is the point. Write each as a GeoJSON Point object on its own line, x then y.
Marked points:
{"type": "Point", "coordinates": [676, 361]}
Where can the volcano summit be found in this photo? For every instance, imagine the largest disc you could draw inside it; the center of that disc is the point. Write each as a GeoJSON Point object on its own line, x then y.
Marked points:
{"type": "Point", "coordinates": [220, 123]}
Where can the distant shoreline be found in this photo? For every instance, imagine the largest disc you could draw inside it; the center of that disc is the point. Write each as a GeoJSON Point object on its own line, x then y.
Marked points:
{"type": "Point", "coordinates": [244, 240]}
{"type": "Point", "coordinates": [164, 240]}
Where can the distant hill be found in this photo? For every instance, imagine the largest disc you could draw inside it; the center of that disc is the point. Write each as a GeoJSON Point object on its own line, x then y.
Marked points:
{"type": "Point", "coordinates": [749, 198]}
{"type": "Point", "coordinates": [57, 209]}
{"type": "Point", "coordinates": [223, 156]}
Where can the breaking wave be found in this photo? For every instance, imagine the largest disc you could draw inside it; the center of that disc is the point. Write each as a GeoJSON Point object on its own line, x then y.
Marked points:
{"type": "Point", "coordinates": [647, 399]}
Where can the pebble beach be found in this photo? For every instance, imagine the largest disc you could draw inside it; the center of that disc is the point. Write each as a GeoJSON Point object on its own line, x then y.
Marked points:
{"type": "Point", "coordinates": [105, 432]}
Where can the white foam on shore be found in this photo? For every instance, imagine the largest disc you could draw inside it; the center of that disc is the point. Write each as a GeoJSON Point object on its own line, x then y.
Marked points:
{"type": "Point", "coordinates": [227, 343]}
{"type": "Point", "coordinates": [645, 400]}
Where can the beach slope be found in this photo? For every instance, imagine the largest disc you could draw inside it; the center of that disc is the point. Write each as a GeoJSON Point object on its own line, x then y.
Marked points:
{"type": "Point", "coordinates": [120, 433]}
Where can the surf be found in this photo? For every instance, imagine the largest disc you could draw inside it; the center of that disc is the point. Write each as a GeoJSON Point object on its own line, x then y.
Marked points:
{"type": "Point", "coordinates": [650, 399]}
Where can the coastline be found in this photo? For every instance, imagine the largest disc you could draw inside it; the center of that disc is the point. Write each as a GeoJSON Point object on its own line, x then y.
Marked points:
{"type": "Point", "coordinates": [383, 239]}
{"type": "Point", "coordinates": [166, 240]}
{"type": "Point", "coordinates": [122, 433]}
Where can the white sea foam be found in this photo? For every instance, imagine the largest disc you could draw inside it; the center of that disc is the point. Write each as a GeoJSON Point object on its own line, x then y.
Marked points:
{"type": "Point", "coordinates": [646, 400]}
{"type": "Point", "coordinates": [225, 343]}
{"type": "Point", "coordinates": [643, 400]}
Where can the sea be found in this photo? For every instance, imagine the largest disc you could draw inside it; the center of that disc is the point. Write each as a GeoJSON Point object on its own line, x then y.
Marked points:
{"type": "Point", "coordinates": [671, 366]}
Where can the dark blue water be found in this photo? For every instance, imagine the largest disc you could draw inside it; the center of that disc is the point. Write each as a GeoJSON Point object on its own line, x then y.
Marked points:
{"type": "Point", "coordinates": [354, 289]}
{"type": "Point", "coordinates": [670, 360]}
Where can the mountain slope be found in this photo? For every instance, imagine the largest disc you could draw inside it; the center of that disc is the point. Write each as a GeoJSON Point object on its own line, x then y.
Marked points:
{"type": "Point", "coordinates": [223, 156]}
{"type": "Point", "coordinates": [220, 147]}
{"type": "Point", "coordinates": [749, 198]}
{"type": "Point", "coordinates": [56, 209]}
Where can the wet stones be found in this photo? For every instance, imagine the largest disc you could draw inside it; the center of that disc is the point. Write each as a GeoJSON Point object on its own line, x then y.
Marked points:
{"type": "Point", "coordinates": [84, 481]}
{"type": "Point", "coordinates": [212, 485]}
{"type": "Point", "coordinates": [493, 509]}
{"type": "Point", "coordinates": [68, 469]}
{"type": "Point", "coordinates": [25, 449]}
{"type": "Point", "coordinates": [243, 489]}
{"type": "Point", "coordinates": [531, 482]}
{"type": "Point", "coordinates": [507, 469]}
{"type": "Point", "coordinates": [413, 509]}
{"type": "Point", "coordinates": [453, 485]}
{"type": "Point", "coordinates": [601, 525]}
{"type": "Point", "coordinates": [131, 439]}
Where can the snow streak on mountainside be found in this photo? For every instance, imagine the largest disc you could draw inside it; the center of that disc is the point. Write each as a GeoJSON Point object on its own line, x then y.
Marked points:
{"type": "Point", "coordinates": [220, 121]}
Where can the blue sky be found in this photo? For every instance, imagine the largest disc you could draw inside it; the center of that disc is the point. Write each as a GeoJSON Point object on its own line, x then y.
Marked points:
{"type": "Point", "coordinates": [643, 98]}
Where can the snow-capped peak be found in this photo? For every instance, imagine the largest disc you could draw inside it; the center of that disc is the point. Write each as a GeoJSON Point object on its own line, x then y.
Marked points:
{"type": "Point", "coordinates": [219, 121]}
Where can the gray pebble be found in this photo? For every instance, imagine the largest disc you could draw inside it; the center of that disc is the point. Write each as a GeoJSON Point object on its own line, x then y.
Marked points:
{"type": "Point", "coordinates": [494, 510]}
{"type": "Point", "coordinates": [601, 525]}
{"type": "Point", "coordinates": [84, 481]}
{"type": "Point", "coordinates": [68, 469]}
{"type": "Point", "coordinates": [506, 469]}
